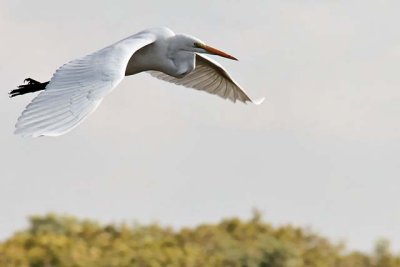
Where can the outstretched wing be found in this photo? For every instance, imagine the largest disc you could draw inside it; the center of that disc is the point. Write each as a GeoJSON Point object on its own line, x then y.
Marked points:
{"type": "Point", "coordinates": [211, 77]}
{"type": "Point", "coordinates": [77, 88]}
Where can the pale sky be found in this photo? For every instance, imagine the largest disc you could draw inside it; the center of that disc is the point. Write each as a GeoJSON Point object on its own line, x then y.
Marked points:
{"type": "Point", "coordinates": [322, 151]}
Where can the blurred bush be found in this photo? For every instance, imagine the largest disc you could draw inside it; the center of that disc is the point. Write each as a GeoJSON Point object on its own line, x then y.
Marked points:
{"type": "Point", "coordinates": [59, 241]}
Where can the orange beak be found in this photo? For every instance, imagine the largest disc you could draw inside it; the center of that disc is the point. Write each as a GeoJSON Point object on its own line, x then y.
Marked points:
{"type": "Point", "coordinates": [215, 51]}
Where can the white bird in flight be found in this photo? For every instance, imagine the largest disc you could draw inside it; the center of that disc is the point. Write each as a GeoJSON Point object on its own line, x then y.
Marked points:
{"type": "Point", "coordinates": [78, 87]}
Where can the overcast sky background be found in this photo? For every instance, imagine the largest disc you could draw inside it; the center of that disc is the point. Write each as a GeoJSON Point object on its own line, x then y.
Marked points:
{"type": "Point", "coordinates": [322, 151]}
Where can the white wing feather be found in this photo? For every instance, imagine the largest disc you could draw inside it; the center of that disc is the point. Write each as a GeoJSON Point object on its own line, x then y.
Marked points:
{"type": "Point", "coordinates": [77, 88]}
{"type": "Point", "coordinates": [211, 77]}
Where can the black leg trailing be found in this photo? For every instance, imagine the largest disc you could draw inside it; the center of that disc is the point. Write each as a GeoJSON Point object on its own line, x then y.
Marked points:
{"type": "Point", "coordinates": [31, 86]}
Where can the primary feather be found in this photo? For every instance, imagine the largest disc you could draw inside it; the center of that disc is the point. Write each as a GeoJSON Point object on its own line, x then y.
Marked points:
{"type": "Point", "coordinates": [211, 77]}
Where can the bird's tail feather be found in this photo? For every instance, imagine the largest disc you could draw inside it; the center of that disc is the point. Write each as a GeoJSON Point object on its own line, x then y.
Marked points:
{"type": "Point", "coordinates": [30, 87]}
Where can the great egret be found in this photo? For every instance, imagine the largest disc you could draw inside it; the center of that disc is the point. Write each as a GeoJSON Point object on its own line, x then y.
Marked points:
{"type": "Point", "coordinates": [77, 88]}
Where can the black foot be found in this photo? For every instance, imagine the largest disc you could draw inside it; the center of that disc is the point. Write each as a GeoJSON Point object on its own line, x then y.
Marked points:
{"type": "Point", "coordinates": [31, 81]}
{"type": "Point", "coordinates": [31, 86]}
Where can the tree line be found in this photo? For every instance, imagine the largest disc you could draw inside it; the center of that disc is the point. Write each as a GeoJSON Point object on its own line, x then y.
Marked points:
{"type": "Point", "coordinates": [62, 241]}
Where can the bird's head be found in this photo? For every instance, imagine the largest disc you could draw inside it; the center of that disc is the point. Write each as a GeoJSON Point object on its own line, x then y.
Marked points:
{"type": "Point", "coordinates": [192, 44]}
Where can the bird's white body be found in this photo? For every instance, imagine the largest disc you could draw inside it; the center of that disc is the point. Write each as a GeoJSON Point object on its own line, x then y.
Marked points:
{"type": "Point", "coordinates": [78, 87]}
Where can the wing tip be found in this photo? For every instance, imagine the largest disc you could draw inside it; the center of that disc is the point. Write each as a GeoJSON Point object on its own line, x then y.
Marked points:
{"type": "Point", "coordinates": [24, 133]}
{"type": "Point", "coordinates": [28, 133]}
{"type": "Point", "coordinates": [258, 101]}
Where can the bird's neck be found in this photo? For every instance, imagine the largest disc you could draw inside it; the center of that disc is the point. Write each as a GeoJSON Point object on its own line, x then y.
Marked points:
{"type": "Point", "coordinates": [184, 62]}
{"type": "Point", "coordinates": [173, 62]}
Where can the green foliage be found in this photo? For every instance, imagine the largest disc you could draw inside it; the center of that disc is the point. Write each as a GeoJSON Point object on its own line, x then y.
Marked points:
{"type": "Point", "coordinates": [55, 241]}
